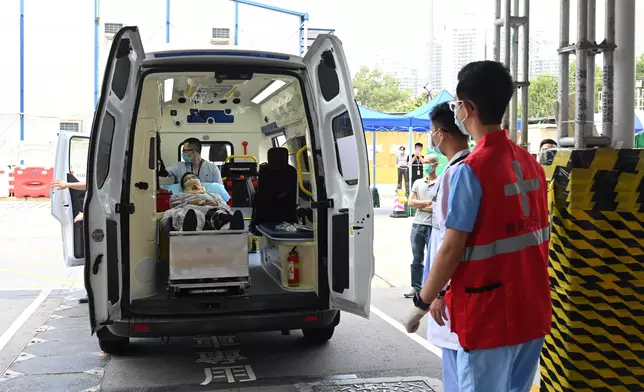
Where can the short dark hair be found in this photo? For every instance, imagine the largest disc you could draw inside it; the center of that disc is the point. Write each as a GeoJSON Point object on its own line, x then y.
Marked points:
{"type": "Point", "coordinates": [547, 141]}
{"type": "Point", "coordinates": [442, 117]}
{"type": "Point", "coordinates": [194, 143]}
{"type": "Point", "coordinates": [488, 86]}
{"type": "Point", "coordinates": [419, 144]}
{"type": "Point", "coordinates": [183, 178]}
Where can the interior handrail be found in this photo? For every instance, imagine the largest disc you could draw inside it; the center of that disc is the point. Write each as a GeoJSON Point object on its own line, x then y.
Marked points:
{"type": "Point", "coordinates": [298, 164]}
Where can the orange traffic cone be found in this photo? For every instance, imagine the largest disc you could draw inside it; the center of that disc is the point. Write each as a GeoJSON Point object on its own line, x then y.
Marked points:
{"type": "Point", "coordinates": [399, 205]}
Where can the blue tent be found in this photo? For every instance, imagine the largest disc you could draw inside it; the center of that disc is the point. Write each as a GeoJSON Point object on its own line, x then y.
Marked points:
{"type": "Point", "coordinates": [373, 121]}
{"type": "Point", "coordinates": [416, 121]}
{"type": "Point", "coordinates": [419, 117]}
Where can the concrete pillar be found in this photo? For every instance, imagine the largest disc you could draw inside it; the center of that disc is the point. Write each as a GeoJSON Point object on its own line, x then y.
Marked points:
{"type": "Point", "coordinates": [623, 131]}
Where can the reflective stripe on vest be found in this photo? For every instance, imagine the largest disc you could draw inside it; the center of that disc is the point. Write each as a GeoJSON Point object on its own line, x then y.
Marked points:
{"type": "Point", "coordinates": [507, 245]}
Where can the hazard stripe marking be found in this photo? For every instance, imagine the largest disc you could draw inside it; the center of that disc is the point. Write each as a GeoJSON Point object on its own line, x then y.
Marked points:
{"type": "Point", "coordinates": [596, 271]}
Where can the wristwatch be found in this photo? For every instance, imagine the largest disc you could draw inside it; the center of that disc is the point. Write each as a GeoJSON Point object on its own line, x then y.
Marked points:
{"type": "Point", "coordinates": [442, 293]}
{"type": "Point", "coordinates": [418, 302]}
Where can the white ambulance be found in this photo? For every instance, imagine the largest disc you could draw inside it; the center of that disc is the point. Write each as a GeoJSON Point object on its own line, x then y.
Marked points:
{"type": "Point", "coordinates": [286, 134]}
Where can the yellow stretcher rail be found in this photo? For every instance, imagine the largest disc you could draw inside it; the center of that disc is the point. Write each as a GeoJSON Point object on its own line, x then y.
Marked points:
{"type": "Point", "coordinates": [300, 181]}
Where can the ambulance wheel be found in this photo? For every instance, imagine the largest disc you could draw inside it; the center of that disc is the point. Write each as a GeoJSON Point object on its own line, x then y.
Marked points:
{"type": "Point", "coordinates": [114, 346]}
{"type": "Point", "coordinates": [319, 335]}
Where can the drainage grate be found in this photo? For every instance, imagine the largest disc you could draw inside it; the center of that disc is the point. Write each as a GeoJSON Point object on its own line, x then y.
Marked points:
{"type": "Point", "coordinates": [407, 384]}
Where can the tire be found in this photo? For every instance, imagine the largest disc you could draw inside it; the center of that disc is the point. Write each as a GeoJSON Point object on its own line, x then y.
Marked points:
{"type": "Point", "coordinates": [114, 346]}
{"type": "Point", "coordinates": [319, 335]}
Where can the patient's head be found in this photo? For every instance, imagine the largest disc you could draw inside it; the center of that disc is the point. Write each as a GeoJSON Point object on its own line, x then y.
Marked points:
{"type": "Point", "coordinates": [190, 183]}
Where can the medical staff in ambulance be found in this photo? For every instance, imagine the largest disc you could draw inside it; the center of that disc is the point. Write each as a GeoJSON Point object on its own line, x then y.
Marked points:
{"type": "Point", "coordinates": [495, 250]}
{"type": "Point", "coordinates": [449, 141]}
{"type": "Point", "coordinates": [192, 162]}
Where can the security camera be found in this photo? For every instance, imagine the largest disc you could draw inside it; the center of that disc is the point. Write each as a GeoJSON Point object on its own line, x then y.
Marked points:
{"type": "Point", "coordinates": [210, 120]}
{"type": "Point", "coordinates": [177, 122]}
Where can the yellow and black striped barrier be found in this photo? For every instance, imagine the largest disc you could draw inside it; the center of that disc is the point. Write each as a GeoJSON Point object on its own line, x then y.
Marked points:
{"type": "Point", "coordinates": [596, 271]}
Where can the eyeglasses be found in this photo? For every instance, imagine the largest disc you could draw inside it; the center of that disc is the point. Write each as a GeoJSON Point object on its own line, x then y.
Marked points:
{"type": "Point", "coordinates": [185, 151]}
{"type": "Point", "coordinates": [455, 105]}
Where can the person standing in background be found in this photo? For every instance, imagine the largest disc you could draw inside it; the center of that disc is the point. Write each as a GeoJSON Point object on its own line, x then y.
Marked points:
{"type": "Point", "coordinates": [416, 165]}
{"type": "Point", "coordinates": [403, 170]}
{"type": "Point", "coordinates": [421, 199]}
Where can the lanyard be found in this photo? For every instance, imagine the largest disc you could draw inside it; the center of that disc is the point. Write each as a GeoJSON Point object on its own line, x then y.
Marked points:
{"type": "Point", "coordinates": [454, 162]}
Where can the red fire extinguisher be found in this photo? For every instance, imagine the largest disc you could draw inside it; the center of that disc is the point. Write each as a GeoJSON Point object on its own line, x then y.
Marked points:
{"type": "Point", "coordinates": [293, 268]}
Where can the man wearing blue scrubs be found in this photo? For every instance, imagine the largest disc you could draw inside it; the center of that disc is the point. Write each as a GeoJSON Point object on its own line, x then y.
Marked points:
{"type": "Point", "coordinates": [495, 251]}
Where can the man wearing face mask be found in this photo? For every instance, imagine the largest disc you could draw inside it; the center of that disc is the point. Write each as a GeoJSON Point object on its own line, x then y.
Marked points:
{"type": "Point", "coordinates": [421, 199]}
{"type": "Point", "coordinates": [449, 141]}
{"type": "Point", "coordinates": [207, 171]}
{"type": "Point", "coordinates": [495, 250]}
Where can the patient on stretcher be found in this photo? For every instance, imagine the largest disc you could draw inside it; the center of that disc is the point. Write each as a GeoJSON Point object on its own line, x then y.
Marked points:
{"type": "Point", "coordinates": [194, 209]}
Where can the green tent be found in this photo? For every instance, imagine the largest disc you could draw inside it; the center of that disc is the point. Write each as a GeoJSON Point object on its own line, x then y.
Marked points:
{"type": "Point", "coordinates": [639, 141]}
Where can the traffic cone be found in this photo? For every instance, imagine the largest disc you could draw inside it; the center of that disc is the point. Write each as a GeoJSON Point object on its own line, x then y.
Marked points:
{"type": "Point", "coordinates": [400, 211]}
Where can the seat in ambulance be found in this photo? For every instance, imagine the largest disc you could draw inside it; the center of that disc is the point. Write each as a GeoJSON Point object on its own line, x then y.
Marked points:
{"type": "Point", "coordinates": [276, 197]}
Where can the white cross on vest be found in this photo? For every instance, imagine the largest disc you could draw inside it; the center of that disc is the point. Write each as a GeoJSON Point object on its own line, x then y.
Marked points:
{"type": "Point", "coordinates": [521, 187]}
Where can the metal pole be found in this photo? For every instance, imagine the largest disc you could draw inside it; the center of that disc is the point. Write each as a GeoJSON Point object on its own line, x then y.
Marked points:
{"type": "Point", "coordinates": [236, 23]}
{"type": "Point", "coordinates": [607, 89]}
{"type": "Point", "coordinates": [167, 21]}
{"type": "Point", "coordinates": [506, 29]}
{"type": "Point", "coordinates": [590, 57]}
{"type": "Point", "coordinates": [497, 31]}
{"type": "Point", "coordinates": [97, 22]}
{"type": "Point", "coordinates": [373, 156]}
{"type": "Point", "coordinates": [564, 101]}
{"type": "Point", "coordinates": [411, 153]}
{"type": "Point", "coordinates": [515, 74]}
{"type": "Point", "coordinates": [526, 74]}
{"type": "Point", "coordinates": [581, 82]}
{"type": "Point", "coordinates": [430, 63]}
{"type": "Point", "coordinates": [623, 132]}
{"type": "Point", "coordinates": [22, 71]}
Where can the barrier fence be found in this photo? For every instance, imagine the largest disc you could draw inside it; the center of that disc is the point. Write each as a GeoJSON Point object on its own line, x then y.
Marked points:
{"type": "Point", "coordinates": [26, 182]}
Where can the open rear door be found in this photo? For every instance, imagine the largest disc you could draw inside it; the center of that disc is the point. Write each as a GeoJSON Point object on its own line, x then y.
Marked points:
{"type": "Point", "coordinates": [71, 165]}
{"type": "Point", "coordinates": [343, 151]}
{"type": "Point", "coordinates": [106, 165]}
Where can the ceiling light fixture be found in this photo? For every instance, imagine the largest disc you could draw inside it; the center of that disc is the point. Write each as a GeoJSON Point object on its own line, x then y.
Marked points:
{"type": "Point", "coordinates": [168, 89]}
{"type": "Point", "coordinates": [268, 91]}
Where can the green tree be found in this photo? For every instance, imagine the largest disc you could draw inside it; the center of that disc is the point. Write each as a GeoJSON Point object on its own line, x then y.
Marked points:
{"type": "Point", "coordinates": [639, 68]}
{"type": "Point", "coordinates": [541, 94]}
{"type": "Point", "coordinates": [380, 92]}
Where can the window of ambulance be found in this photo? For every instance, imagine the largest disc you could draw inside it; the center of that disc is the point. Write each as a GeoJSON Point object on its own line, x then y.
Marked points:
{"type": "Point", "coordinates": [78, 150]}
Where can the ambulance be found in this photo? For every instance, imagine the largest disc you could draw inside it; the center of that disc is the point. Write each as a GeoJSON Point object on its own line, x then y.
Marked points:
{"type": "Point", "coordinates": [287, 136]}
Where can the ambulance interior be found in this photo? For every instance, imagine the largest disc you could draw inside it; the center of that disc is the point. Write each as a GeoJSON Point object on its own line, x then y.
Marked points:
{"type": "Point", "coordinates": [243, 121]}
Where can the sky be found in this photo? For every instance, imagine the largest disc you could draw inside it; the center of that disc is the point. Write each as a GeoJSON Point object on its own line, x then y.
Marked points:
{"type": "Point", "coordinates": [401, 28]}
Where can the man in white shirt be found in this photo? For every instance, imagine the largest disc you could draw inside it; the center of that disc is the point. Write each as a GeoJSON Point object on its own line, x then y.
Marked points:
{"type": "Point", "coordinates": [402, 160]}
{"type": "Point", "coordinates": [447, 140]}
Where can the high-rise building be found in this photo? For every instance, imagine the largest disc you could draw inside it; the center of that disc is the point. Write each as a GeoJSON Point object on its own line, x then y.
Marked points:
{"type": "Point", "coordinates": [437, 65]}
{"type": "Point", "coordinates": [462, 46]}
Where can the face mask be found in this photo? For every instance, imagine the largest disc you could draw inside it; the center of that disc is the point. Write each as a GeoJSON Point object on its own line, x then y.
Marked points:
{"type": "Point", "coordinates": [459, 123]}
{"type": "Point", "coordinates": [187, 158]}
{"type": "Point", "coordinates": [428, 169]}
{"type": "Point", "coordinates": [436, 148]}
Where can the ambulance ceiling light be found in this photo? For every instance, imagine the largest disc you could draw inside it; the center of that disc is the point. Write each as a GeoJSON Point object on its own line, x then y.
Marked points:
{"type": "Point", "coordinates": [268, 91]}
{"type": "Point", "coordinates": [168, 89]}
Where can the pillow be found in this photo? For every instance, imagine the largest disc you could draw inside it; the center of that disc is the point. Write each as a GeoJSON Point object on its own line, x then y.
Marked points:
{"type": "Point", "coordinates": [214, 187]}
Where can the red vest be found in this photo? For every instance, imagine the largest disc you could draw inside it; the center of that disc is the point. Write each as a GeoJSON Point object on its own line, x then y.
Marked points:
{"type": "Point", "coordinates": [500, 293]}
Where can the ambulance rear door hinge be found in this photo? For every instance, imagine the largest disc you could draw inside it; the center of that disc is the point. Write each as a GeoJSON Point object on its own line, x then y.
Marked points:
{"type": "Point", "coordinates": [328, 203]}
{"type": "Point", "coordinates": [124, 208]}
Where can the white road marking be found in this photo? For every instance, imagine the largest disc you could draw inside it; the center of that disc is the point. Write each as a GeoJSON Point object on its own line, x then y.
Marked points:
{"type": "Point", "coordinates": [423, 342]}
{"type": "Point", "coordinates": [24, 316]}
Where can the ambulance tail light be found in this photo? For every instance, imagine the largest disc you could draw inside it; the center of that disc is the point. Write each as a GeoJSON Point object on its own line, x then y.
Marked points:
{"type": "Point", "coordinates": [309, 319]}
{"type": "Point", "coordinates": [140, 328]}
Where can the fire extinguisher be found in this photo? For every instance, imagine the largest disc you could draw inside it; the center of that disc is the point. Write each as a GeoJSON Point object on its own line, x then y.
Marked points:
{"type": "Point", "coordinates": [293, 268]}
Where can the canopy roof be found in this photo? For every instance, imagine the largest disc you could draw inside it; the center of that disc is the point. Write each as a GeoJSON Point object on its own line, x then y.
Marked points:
{"type": "Point", "coordinates": [417, 120]}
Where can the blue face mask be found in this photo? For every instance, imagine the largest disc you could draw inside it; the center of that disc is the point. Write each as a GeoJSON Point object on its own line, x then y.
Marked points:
{"type": "Point", "coordinates": [187, 158]}
{"type": "Point", "coordinates": [436, 148]}
{"type": "Point", "coordinates": [428, 168]}
{"type": "Point", "coordinates": [459, 123]}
